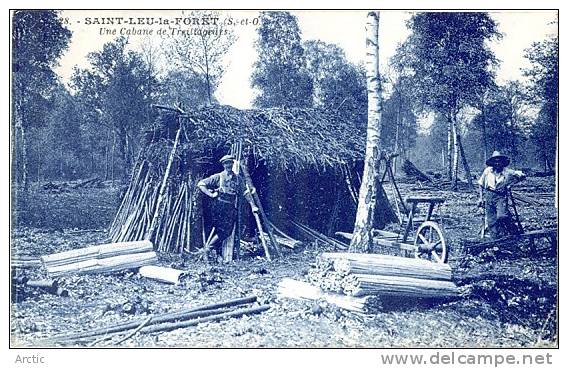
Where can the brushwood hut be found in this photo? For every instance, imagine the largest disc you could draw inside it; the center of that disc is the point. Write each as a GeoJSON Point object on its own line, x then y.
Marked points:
{"type": "Point", "coordinates": [303, 163]}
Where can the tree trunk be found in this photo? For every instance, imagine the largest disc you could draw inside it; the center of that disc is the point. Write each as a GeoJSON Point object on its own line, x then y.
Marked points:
{"type": "Point", "coordinates": [107, 155]}
{"type": "Point", "coordinates": [61, 173]}
{"type": "Point", "coordinates": [449, 151]}
{"type": "Point", "coordinates": [112, 156]}
{"type": "Point", "coordinates": [464, 162]}
{"type": "Point", "coordinates": [24, 158]}
{"type": "Point", "coordinates": [484, 133]}
{"type": "Point", "coordinates": [397, 136]}
{"type": "Point", "coordinates": [127, 159]}
{"type": "Point", "coordinates": [455, 163]}
{"type": "Point", "coordinates": [207, 76]}
{"type": "Point", "coordinates": [362, 236]}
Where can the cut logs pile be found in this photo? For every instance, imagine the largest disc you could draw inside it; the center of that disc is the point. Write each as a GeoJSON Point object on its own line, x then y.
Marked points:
{"type": "Point", "coordinates": [358, 274]}
{"type": "Point", "coordinates": [104, 258]}
{"type": "Point", "coordinates": [170, 321]}
{"type": "Point", "coordinates": [365, 282]}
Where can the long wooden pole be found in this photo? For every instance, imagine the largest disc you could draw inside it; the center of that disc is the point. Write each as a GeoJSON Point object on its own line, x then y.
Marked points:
{"type": "Point", "coordinates": [258, 204]}
{"type": "Point", "coordinates": [157, 211]}
{"type": "Point", "coordinates": [156, 319]}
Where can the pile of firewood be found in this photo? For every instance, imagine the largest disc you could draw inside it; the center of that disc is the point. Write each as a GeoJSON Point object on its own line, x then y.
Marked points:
{"type": "Point", "coordinates": [104, 258]}
{"type": "Point", "coordinates": [363, 282]}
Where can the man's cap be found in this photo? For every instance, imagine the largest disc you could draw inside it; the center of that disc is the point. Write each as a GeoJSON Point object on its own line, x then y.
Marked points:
{"type": "Point", "coordinates": [498, 159]}
{"type": "Point", "coordinates": [227, 158]}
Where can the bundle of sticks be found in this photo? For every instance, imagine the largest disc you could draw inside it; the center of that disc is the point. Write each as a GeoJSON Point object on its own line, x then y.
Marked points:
{"type": "Point", "coordinates": [104, 258]}
{"type": "Point", "coordinates": [358, 274]}
{"type": "Point", "coordinates": [163, 215]}
{"type": "Point", "coordinates": [170, 321]}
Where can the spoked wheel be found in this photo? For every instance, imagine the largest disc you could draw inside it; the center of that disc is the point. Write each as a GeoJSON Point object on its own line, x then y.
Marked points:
{"type": "Point", "coordinates": [430, 243]}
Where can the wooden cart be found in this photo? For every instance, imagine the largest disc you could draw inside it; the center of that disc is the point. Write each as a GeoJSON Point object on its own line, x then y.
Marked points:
{"type": "Point", "coordinates": [427, 242]}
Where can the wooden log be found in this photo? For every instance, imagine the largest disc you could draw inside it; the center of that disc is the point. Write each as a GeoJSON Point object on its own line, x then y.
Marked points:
{"type": "Point", "coordinates": [105, 265]}
{"type": "Point", "coordinates": [299, 290]}
{"type": "Point", "coordinates": [379, 264]}
{"type": "Point", "coordinates": [361, 285]}
{"type": "Point", "coordinates": [130, 326]}
{"type": "Point", "coordinates": [164, 274]}
{"type": "Point", "coordinates": [50, 286]}
{"type": "Point", "coordinates": [170, 326]}
{"type": "Point", "coordinates": [167, 317]}
{"type": "Point", "coordinates": [96, 252]}
{"type": "Point", "coordinates": [197, 318]}
{"type": "Point", "coordinates": [43, 284]}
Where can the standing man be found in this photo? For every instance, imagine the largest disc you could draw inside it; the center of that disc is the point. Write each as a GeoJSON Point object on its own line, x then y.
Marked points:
{"type": "Point", "coordinates": [493, 188]}
{"type": "Point", "coordinates": [223, 187]}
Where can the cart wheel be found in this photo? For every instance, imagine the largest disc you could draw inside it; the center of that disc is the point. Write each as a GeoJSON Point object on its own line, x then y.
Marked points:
{"type": "Point", "coordinates": [430, 243]}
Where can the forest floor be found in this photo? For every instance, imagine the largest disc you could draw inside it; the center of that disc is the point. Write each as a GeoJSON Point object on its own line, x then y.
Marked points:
{"type": "Point", "coordinates": [510, 293]}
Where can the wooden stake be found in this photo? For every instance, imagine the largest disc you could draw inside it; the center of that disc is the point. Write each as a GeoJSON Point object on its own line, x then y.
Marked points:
{"type": "Point", "coordinates": [157, 213]}
{"type": "Point", "coordinates": [255, 201]}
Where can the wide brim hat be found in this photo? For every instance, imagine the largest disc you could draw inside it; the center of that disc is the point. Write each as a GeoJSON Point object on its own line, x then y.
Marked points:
{"type": "Point", "coordinates": [498, 158]}
{"type": "Point", "coordinates": [227, 158]}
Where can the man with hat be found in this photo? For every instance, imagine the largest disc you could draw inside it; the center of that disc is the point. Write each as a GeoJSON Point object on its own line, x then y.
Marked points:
{"type": "Point", "coordinates": [494, 184]}
{"type": "Point", "coordinates": [223, 187]}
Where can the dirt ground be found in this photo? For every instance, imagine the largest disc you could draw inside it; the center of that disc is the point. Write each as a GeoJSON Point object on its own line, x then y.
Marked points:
{"type": "Point", "coordinates": [509, 293]}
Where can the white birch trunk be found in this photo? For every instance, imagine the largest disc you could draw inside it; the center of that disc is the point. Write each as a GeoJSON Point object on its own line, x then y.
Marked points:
{"type": "Point", "coordinates": [362, 237]}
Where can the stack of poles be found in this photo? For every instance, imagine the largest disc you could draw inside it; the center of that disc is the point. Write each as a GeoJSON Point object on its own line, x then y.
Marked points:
{"type": "Point", "coordinates": [157, 208]}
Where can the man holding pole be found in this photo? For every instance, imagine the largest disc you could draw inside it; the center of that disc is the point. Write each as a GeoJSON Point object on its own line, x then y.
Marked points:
{"type": "Point", "coordinates": [223, 188]}
{"type": "Point", "coordinates": [494, 185]}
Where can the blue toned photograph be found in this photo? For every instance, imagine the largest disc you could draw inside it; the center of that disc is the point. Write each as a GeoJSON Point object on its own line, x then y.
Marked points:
{"type": "Point", "coordinates": [284, 179]}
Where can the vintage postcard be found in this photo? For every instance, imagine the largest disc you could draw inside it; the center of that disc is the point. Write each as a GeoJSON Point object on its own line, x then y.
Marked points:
{"type": "Point", "coordinates": [283, 179]}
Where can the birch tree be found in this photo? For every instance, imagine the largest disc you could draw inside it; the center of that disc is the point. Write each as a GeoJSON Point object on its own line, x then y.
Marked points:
{"type": "Point", "coordinates": [362, 237]}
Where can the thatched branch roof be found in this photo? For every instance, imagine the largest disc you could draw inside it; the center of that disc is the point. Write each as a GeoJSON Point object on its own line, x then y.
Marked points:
{"type": "Point", "coordinates": [287, 138]}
